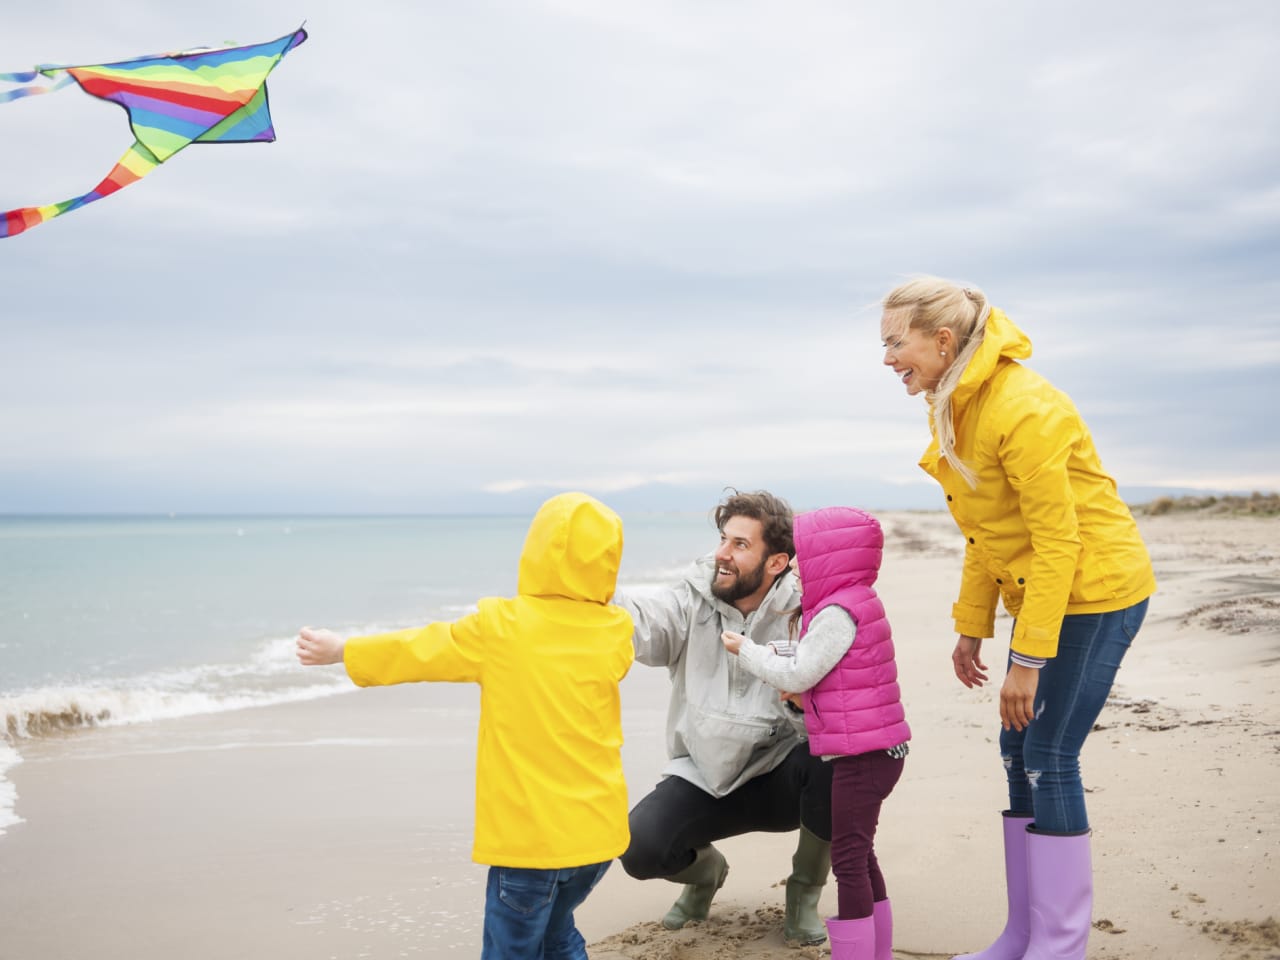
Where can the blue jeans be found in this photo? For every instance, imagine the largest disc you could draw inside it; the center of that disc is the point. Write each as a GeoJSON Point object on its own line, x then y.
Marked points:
{"type": "Point", "coordinates": [1042, 761]}
{"type": "Point", "coordinates": [529, 913]}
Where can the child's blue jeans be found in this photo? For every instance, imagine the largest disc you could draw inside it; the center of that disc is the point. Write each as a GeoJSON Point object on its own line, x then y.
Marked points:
{"type": "Point", "coordinates": [1042, 761]}
{"type": "Point", "coordinates": [529, 913]}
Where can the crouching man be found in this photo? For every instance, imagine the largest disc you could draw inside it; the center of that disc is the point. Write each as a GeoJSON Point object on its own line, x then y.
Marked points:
{"type": "Point", "coordinates": [739, 758]}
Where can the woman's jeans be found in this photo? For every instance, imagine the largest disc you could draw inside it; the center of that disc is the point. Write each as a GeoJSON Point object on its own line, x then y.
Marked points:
{"type": "Point", "coordinates": [1042, 761]}
{"type": "Point", "coordinates": [529, 913]}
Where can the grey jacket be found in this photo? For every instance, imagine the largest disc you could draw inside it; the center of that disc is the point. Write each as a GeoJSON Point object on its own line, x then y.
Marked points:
{"type": "Point", "coordinates": [724, 726]}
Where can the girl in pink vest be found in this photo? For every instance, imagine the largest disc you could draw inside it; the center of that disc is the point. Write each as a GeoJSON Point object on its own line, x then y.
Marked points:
{"type": "Point", "coordinates": [843, 664]}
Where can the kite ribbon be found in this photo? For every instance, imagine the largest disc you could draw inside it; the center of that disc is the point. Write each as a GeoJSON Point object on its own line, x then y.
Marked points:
{"type": "Point", "coordinates": [32, 90]}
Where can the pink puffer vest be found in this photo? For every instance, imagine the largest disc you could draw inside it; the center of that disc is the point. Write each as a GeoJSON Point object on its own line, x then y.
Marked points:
{"type": "Point", "coordinates": [857, 706]}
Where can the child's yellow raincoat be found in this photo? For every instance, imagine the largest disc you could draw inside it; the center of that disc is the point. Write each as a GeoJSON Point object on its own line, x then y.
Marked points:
{"type": "Point", "coordinates": [549, 786]}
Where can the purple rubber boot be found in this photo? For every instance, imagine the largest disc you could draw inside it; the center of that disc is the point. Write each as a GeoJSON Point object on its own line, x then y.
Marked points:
{"type": "Point", "coordinates": [852, 939]}
{"type": "Point", "coordinates": [882, 914]}
{"type": "Point", "coordinates": [1012, 942]}
{"type": "Point", "coordinates": [1060, 872]}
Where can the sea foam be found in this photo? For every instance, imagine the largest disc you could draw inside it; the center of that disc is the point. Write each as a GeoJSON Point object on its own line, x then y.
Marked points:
{"type": "Point", "coordinates": [8, 795]}
{"type": "Point", "coordinates": [270, 675]}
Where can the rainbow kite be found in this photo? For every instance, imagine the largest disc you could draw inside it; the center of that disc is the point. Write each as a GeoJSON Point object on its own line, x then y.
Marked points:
{"type": "Point", "coordinates": [173, 99]}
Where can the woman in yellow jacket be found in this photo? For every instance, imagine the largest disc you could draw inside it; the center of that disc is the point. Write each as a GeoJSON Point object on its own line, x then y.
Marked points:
{"type": "Point", "coordinates": [551, 801]}
{"type": "Point", "coordinates": [1046, 533]}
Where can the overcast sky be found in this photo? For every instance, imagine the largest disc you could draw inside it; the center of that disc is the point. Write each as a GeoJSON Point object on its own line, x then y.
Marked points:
{"type": "Point", "coordinates": [634, 248]}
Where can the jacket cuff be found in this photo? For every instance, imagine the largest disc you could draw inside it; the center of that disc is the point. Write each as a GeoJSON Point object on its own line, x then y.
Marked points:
{"type": "Point", "coordinates": [1034, 641]}
{"type": "Point", "coordinates": [974, 621]}
{"type": "Point", "coordinates": [1022, 660]}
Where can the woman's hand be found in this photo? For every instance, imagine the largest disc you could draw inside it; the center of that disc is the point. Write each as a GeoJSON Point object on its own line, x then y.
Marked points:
{"type": "Point", "coordinates": [967, 661]}
{"type": "Point", "coordinates": [1018, 697]}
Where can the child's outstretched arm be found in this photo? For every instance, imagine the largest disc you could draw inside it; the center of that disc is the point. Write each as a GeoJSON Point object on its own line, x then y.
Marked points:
{"type": "Point", "coordinates": [319, 647]}
{"type": "Point", "coordinates": [829, 638]}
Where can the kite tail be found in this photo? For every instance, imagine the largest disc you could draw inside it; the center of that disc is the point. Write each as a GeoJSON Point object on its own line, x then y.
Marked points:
{"type": "Point", "coordinates": [33, 88]}
{"type": "Point", "coordinates": [137, 162]}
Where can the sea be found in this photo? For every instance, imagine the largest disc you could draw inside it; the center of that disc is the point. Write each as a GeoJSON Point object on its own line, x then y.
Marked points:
{"type": "Point", "coordinates": [110, 620]}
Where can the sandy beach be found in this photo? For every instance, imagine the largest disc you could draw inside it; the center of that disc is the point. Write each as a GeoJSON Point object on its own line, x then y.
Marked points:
{"type": "Point", "coordinates": [341, 828]}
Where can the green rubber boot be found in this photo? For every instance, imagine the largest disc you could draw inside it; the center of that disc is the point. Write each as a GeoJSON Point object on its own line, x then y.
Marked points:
{"type": "Point", "coordinates": [702, 879]}
{"type": "Point", "coordinates": [809, 868]}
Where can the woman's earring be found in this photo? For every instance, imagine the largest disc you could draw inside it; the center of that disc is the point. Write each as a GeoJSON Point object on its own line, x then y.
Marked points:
{"type": "Point", "coordinates": [942, 353]}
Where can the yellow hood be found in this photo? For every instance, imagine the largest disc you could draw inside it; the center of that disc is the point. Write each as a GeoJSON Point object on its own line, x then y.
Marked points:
{"type": "Point", "coordinates": [1001, 340]}
{"type": "Point", "coordinates": [572, 550]}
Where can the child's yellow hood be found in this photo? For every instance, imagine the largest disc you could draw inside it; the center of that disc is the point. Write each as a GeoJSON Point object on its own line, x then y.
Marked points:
{"type": "Point", "coordinates": [573, 550]}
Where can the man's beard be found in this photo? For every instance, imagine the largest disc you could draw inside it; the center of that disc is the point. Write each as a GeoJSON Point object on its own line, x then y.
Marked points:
{"type": "Point", "coordinates": [743, 585]}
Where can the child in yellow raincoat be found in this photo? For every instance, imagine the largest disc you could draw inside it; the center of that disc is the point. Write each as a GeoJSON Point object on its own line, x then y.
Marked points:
{"type": "Point", "coordinates": [551, 801]}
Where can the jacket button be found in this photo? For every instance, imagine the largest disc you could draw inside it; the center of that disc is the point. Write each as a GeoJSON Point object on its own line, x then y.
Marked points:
{"type": "Point", "coordinates": [1020, 580]}
{"type": "Point", "coordinates": [948, 498]}
{"type": "Point", "coordinates": [998, 580]}
{"type": "Point", "coordinates": [971, 539]}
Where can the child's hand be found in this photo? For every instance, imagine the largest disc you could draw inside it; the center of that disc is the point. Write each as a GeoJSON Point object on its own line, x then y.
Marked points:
{"type": "Point", "coordinates": [732, 641]}
{"type": "Point", "coordinates": [319, 647]}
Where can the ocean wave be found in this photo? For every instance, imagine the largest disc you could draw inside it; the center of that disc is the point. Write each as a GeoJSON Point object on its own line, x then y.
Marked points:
{"type": "Point", "coordinates": [55, 710]}
{"type": "Point", "coordinates": [270, 675]}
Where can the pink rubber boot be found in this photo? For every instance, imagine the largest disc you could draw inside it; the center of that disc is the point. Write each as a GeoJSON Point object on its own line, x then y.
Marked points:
{"type": "Point", "coordinates": [1060, 871]}
{"type": "Point", "coordinates": [852, 939]}
{"type": "Point", "coordinates": [1012, 942]}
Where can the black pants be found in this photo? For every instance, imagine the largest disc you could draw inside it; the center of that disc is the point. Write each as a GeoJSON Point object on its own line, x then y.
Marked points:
{"type": "Point", "coordinates": [677, 818]}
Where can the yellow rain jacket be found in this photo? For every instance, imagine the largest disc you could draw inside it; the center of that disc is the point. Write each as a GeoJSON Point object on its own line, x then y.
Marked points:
{"type": "Point", "coordinates": [549, 786]}
{"type": "Point", "coordinates": [1046, 530]}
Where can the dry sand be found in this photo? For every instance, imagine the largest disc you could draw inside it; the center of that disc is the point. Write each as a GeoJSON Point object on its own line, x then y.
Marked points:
{"type": "Point", "coordinates": [341, 828]}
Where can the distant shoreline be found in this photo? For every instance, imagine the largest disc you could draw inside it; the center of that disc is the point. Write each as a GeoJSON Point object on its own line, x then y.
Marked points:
{"type": "Point", "coordinates": [1254, 504]}
{"type": "Point", "coordinates": [646, 502]}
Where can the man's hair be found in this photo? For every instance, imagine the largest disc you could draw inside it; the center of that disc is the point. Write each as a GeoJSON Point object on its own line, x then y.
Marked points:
{"type": "Point", "coordinates": [774, 514]}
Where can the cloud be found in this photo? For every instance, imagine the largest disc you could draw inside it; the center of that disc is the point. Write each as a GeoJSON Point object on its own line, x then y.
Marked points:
{"type": "Point", "coordinates": [501, 247]}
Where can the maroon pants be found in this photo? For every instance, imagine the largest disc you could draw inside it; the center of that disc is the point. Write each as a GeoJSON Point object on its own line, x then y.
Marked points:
{"type": "Point", "coordinates": [858, 786]}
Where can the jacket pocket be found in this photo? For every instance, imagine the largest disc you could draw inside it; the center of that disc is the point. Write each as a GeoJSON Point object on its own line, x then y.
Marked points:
{"type": "Point", "coordinates": [1132, 617]}
{"type": "Point", "coordinates": [723, 746]}
{"type": "Point", "coordinates": [526, 891]}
